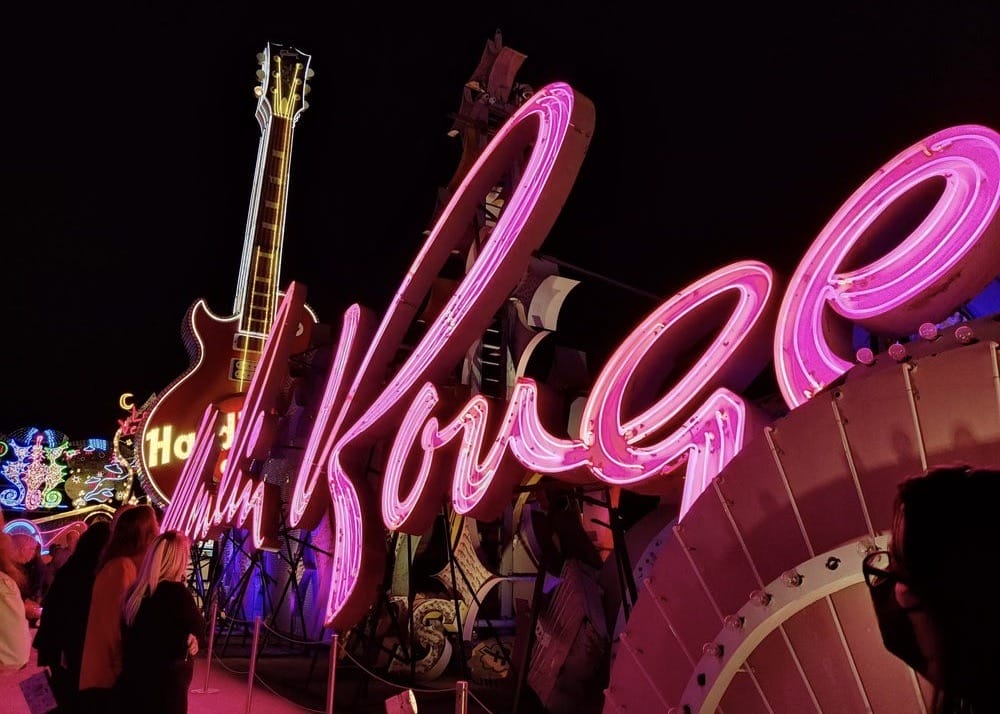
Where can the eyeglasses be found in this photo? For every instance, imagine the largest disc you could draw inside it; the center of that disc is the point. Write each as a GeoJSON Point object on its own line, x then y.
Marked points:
{"type": "Point", "coordinates": [877, 568]}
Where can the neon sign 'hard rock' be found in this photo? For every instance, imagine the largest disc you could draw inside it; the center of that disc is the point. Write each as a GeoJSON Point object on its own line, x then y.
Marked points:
{"type": "Point", "coordinates": [627, 438]}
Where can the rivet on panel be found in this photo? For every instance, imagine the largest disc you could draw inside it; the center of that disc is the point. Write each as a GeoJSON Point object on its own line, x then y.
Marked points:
{"type": "Point", "coordinates": [897, 351]}
{"type": "Point", "coordinates": [712, 649]}
{"type": "Point", "coordinates": [792, 578]}
{"type": "Point", "coordinates": [964, 334]}
{"type": "Point", "coordinates": [734, 622]}
{"type": "Point", "coordinates": [928, 330]}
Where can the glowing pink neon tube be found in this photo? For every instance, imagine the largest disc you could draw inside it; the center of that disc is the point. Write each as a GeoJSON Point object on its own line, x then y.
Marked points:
{"type": "Point", "coordinates": [614, 449]}
{"type": "Point", "coordinates": [946, 260]}
{"type": "Point", "coordinates": [556, 124]}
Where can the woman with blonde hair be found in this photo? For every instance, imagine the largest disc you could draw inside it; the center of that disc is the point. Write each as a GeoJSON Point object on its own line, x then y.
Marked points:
{"type": "Point", "coordinates": [133, 529]}
{"type": "Point", "coordinates": [161, 629]}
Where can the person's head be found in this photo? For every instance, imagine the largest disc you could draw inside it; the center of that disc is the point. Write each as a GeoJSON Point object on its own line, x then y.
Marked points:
{"type": "Point", "coordinates": [88, 548]}
{"type": "Point", "coordinates": [166, 560]}
{"type": "Point", "coordinates": [58, 553]}
{"type": "Point", "coordinates": [8, 561]}
{"type": "Point", "coordinates": [934, 609]}
{"type": "Point", "coordinates": [133, 529]}
{"type": "Point", "coordinates": [27, 550]}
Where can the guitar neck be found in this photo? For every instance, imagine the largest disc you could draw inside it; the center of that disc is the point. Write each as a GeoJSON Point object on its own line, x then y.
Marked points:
{"type": "Point", "coordinates": [256, 298]}
{"type": "Point", "coordinates": [284, 73]}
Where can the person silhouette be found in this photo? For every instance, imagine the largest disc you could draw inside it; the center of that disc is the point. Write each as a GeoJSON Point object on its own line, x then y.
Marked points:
{"type": "Point", "coordinates": [162, 630]}
{"type": "Point", "coordinates": [62, 627]}
{"type": "Point", "coordinates": [133, 529]}
{"type": "Point", "coordinates": [934, 611]}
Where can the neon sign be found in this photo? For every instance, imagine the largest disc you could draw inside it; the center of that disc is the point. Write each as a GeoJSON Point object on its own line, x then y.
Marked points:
{"type": "Point", "coordinates": [36, 471]}
{"type": "Point", "coordinates": [635, 433]}
{"type": "Point", "coordinates": [946, 260]}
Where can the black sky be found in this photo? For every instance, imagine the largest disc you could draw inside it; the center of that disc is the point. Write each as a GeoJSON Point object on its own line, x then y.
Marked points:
{"type": "Point", "coordinates": [720, 135]}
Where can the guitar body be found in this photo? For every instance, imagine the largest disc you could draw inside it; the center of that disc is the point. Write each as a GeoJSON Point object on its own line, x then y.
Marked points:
{"type": "Point", "coordinates": [172, 422]}
{"type": "Point", "coordinates": [224, 350]}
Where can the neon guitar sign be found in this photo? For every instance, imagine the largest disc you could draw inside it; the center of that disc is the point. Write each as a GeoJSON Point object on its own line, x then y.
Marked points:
{"type": "Point", "coordinates": [225, 351]}
{"type": "Point", "coordinates": [626, 438]}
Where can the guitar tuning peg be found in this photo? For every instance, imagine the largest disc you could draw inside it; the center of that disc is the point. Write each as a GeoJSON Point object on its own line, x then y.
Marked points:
{"type": "Point", "coordinates": [260, 74]}
{"type": "Point", "coordinates": [258, 91]}
{"type": "Point", "coordinates": [260, 57]}
{"type": "Point", "coordinates": [305, 105]}
{"type": "Point", "coordinates": [309, 73]}
{"type": "Point", "coordinates": [306, 89]}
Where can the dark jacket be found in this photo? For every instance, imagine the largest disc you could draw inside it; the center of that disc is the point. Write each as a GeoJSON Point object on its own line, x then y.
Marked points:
{"type": "Point", "coordinates": [63, 625]}
{"type": "Point", "coordinates": [156, 668]}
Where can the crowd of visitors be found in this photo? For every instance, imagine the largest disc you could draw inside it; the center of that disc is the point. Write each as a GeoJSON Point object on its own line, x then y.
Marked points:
{"type": "Point", "coordinates": [116, 623]}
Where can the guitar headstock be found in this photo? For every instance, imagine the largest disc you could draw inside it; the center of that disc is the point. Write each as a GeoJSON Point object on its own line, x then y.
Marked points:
{"type": "Point", "coordinates": [284, 74]}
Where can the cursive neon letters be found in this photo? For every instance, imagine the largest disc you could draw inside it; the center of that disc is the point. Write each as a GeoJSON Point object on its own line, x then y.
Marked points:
{"type": "Point", "coordinates": [947, 258]}
{"type": "Point", "coordinates": [626, 437]}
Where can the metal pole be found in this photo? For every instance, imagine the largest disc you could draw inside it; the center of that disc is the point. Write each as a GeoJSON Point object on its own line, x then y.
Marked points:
{"type": "Point", "coordinates": [333, 674]}
{"type": "Point", "coordinates": [536, 608]}
{"type": "Point", "coordinates": [253, 662]}
{"type": "Point", "coordinates": [211, 644]}
{"type": "Point", "coordinates": [461, 697]}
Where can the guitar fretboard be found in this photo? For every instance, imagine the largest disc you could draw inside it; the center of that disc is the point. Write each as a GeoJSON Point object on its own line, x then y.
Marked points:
{"type": "Point", "coordinates": [259, 299]}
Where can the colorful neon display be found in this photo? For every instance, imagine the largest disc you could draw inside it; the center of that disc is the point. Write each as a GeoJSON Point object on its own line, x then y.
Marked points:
{"type": "Point", "coordinates": [631, 434]}
{"type": "Point", "coordinates": [48, 472]}
{"type": "Point", "coordinates": [35, 473]}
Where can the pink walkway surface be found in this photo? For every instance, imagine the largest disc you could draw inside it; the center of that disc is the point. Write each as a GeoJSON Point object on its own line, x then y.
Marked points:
{"type": "Point", "coordinates": [231, 697]}
{"type": "Point", "coordinates": [232, 694]}
{"type": "Point", "coordinates": [281, 688]}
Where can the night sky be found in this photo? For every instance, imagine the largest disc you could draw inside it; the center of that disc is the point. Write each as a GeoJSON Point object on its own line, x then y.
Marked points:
{"type": "Point", "coordinates": [131, 142]}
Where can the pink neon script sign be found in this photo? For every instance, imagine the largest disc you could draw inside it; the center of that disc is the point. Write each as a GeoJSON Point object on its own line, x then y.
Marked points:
{"type": "Point", "coordinates": [949, 256]}
{"type": "Point", "coordinates": [623, 441]}
{"type": "Point", "coordinates": [556, 124]}
{"type": "Point", "coordinates": [612, 447]}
